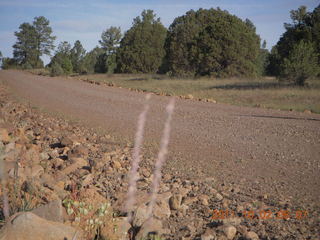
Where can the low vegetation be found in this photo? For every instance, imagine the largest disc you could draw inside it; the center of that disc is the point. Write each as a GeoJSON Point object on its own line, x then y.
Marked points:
{"type": "Point", "coordinates": [262, 92]}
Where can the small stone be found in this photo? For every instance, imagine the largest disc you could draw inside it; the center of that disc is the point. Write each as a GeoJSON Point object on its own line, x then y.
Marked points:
{"type": "Point", "coordinates": [116, 164]}
{"type": "Point", "coordinates": [189, 96]}
{"type": "Point", "coordinates": [218, 197]}
{"type": "Point", "coordinates": [251, 236]}
{"type": "Point", "coordinates": [204, 199]}
{"type": "Point", "coordinates": [175, 201]}
{"type": "Point", "coordinates": [209, 235]}
{"type": "Point", "coordinates": [230, 231]}
{"type": "Point", "coordinates": [145, 173]}
{"type": "Point", "coordinates": [307, 111]}
{"type": "Point", "coordinates": [66, 141]}
{"type": "Point", "coordinates": [242, 229]}
{"type": "Point", "coordinates": [4, 136]}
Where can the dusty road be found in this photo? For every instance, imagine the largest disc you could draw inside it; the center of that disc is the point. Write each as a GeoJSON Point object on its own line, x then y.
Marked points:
{"type": "Point", "coordinates": [268, 151]}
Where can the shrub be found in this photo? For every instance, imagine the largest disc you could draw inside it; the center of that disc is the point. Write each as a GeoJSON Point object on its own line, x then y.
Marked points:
{"type": "Point", "coordinates": [56, 70]}
{"type": "Point", "coordinates": [301, 64]}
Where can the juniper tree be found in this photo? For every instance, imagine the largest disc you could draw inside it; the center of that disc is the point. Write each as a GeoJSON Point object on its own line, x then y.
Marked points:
{"type": "Point", "coordinates": [142, 47]}
{"type": "Point", "coordinates": [211, 42]}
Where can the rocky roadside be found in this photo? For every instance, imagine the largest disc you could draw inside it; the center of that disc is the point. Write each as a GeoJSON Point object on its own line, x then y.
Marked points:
{"type": "Point", "coordinates": [66, 181]}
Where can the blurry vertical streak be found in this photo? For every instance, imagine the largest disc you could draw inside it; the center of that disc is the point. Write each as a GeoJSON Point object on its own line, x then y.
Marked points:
{"type": "Point", "coordinates": [3, 176]}
{"type": "Point", "coordinates": [133, 174]}
{"type": "Point", "coordinates": [161, 156]}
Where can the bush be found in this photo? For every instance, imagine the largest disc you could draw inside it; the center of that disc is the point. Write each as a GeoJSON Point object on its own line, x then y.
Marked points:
{"type": "Point", "coordinates": [301, 64]}
{"type": "Point", "coordinates": [211, 42]}
{"type": "Point", "coordinates": [56, 70]}
{"type": "Point", "coordinates": [9, 63]}
{"type": "Point", "coordinates": [66, 65]}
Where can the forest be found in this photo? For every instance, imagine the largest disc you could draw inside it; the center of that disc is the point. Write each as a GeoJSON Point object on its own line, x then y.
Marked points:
{"type": "Point", "coordinates": [206, 42]}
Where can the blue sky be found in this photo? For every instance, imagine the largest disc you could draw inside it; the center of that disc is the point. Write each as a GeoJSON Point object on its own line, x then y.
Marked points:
{"type": "Point", "coordinates": [86, 19]}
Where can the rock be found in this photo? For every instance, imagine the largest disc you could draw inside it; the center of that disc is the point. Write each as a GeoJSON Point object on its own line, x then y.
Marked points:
{"type": "Point", "coordinates": [209, 235]}
{"type": "Point", "coordinates": [175, 201]}
{"type": "Point", "coordinates": [211, 100]}
{"type": "Point", "coordinates": [77, 152]}
{"type": "Point", "coordinates": [54, 154]}
{"type": "Point", "coordinates": [218, 197]}
{"type": "Point", "coordinates": [230, 231]}
{"type": "Point", "coordinates": [36, 171]}
{"type": "Point", "coordinates": [77, 163]}
{"type": "Point", "coordinates": [44, 156]}
{"type": "Point", "coordinates": [204, 199]}
{"type": "Point", "coordinates": [189, 200]}
{"type": "Point", "coordinates": [161, 209]}
{"type": "Point", "coordinates": [66, 141]}
{"type": "Point", "coordinates": [234, 221]}
{"type": "Point", "coordinates": [81, 150]}
{"type": "Point", "coordinates": [251, 236]}
{"type": "Point", "coordinates": [242, 229]}
{"type": "Point", "coordinates": [189, 96]}
{"type": "Point", "coordinates": [87, 179]}
{"type": "Point", "coordinates": [140, 215]}
{"type": "Point", "coordinates": [116, 164]}
{"type": "Point", "coordinates": [28, 226]}
{"type": "Point", "coordinates": [52, 211]}
{"type": "Point", "coordinates": [4, 136]}
{"type": "Point", "coordinates": [145, 173]}
{"type": "Point", "coordinates": [152, 227]}
{"type": "Point", "coordinates": [307, 111]}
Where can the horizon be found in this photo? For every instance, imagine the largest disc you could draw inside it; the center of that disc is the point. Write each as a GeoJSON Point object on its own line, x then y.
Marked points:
{"type": "Point", "coordinates": [74, 20]}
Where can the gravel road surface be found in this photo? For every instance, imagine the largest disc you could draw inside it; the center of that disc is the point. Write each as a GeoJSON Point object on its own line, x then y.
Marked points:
{"type": "Point", "coordinates": [269, 151]}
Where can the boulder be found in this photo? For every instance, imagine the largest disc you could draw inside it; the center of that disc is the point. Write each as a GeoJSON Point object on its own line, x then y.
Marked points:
{"type": "Point", "coordinates": [52, 211]}
{"type": "Point", "coordinates": [28, 226]}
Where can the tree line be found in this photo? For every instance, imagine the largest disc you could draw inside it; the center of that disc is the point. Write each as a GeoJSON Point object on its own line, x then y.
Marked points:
{"type": "Point", "coordinates": [205, 42]}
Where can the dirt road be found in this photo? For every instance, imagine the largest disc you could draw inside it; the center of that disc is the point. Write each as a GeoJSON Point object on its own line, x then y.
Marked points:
{"type": "Point", "coordinates": [267, 151]}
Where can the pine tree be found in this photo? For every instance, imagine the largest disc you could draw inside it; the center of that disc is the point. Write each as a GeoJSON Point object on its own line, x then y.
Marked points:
{"type": "Point", "coordinates": [77, 54]}
{"type": "Point", "coordinates": [301, 64]}
{"type": "Point", "coordinates": [142, 47]}
{"type": "Point", "coordinates": [33, 40]}
{"type": "Point", "coordinates": [110, 41]}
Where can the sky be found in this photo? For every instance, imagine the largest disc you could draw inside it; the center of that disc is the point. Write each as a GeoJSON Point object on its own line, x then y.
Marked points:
{"type": "Point", "coordinates": [85, 20]}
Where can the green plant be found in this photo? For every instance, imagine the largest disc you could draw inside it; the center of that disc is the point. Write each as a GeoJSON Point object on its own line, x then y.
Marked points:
{"type": "Point", "coordinates": [56, 70]}
{"type": "Point", "coordinates": [87, 216]}
{"type": "Point", "coordinates": [301, 64]}
{"type": "Point", "coordinates": [198, 44]}
{"type": "Point", "coordinates": [142, 47]}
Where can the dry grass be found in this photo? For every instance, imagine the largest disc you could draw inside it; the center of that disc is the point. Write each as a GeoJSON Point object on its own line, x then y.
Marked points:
{"type": "Point", "coordinates": [264, 92]}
